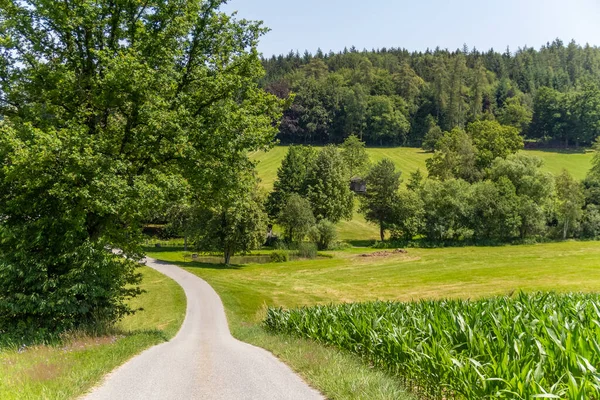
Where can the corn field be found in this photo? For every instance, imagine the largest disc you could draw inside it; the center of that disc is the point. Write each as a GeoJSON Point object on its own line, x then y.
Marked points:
{"type": "Point", "coordinates": [539, 345]}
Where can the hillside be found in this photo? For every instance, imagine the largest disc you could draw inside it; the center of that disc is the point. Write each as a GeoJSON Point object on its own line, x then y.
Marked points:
{"type": "Point", "coordinates": [395, 97]}
{"type": "Point", "coordinates": [408, 159]}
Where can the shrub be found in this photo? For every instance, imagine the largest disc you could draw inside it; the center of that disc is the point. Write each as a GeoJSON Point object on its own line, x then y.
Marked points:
{"type": "Point", "coordinates": [323, 234]}
{"type": "Point", "coordinates": [390, 244]}
{"type": "Point", "coordinates": [281, 245]}
{"type": "Point", "coordinates": [93, 290]}
{"type": "Point", "coordinates": [307, 250]}
{"type": "Point", "coordinates": [340, 245]}
{"type": "Point", "coordinates": [590, 226]}
{"type": "Point", "coordinates": [272, 241]}
{"type": "Point", "coordinates": [280, 256]}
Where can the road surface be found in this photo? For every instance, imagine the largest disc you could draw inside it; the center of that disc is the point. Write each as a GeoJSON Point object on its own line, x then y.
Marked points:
{"type": "Point", "coordinates": [203, 361]}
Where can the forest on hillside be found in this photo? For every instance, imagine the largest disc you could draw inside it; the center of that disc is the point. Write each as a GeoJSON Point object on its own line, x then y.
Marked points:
{"type": "Point", "coordinates": [396, 97]}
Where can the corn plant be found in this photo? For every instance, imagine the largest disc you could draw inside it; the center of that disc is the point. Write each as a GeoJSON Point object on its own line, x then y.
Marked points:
{"type": "Point", "coordinates": [538, 345]}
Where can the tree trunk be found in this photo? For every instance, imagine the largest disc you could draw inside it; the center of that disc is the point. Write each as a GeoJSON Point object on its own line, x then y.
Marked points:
{"type": "Point", "coordinates": [381, 231]}
{"type": "Point", "coordinates": [566, 229]}
{"type": "Point", "coordinates": [185, 242]}
{"type": "Point", "coordinates": [227, 256]}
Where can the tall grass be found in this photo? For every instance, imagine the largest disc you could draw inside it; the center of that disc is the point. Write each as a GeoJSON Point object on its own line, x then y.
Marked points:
{"type": "Point", "coordinates": [540, 345]}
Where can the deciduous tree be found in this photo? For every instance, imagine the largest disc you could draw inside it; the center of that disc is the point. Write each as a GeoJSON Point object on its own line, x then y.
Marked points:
{"type": "Point", "coordinates": [570, 202]}
{"type": "Point", "coordinates": [377, 204]}
{"type": "Point", "coordinates": [291, 177]}
{"type": "Point", "coordinates": [105, 107]}
{"type": "Point", "coordinates": [296, 218]}
{"type": "Point", "coordinates": [454, 157]}
{"type": "Point", "coordinates": [493, 140]}
{"type": "Point", "coordinates": [533, 187]}
{"type": "Point", "coordinates": [355, 155]}
{"type": "Point", "coordinates": [236, 224]}
{"type": "Point", "coordinates": [328, 183]}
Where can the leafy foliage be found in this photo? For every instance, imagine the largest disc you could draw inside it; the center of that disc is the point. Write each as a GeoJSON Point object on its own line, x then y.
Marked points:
{"type": "Point", "coordinates": [280, 256]}
{"type": "Point", "coordinates": [323, 234]}
{"type": "Point", "coordinates": [455, 157]}
{"type": "Point", "coordinates": [296, 218]}
{"type": "Point", "coordinates": [448, 209]}
{"type": "Point", "coordinates": [493, 140]}
{"type": "Point", "coordinates": [539, 345]}
{"type": "Point", "coordinates": [291, 177]}
{"type": "Point", "coordinates": [355, 155]}
{"type": "Point", "coordinates": [234, 225]}
{"type": "Point", "coordinates": [307, 250]}
{"type": "Point", "coordinates": [107, 109]}
{"type": "Point", "coordinates": [534, 188]}
{"type": "Point", "coordinates": [407, 215]}
{"type": "Point", "coordinates": [571, 200]}
{"type": "Point", "coordinates": [393, 96]}
{"type": "Point", "coordinates": [328, 184]}
{"type": "Point", "coordinates": [377, 204]}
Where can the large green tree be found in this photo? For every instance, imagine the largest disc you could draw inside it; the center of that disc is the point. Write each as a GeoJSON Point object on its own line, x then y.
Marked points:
{"type": "Point", "coordinates": [377, 204]}
{"type": "Point", "coordinates": [493, 140]}
{"type": "Point", "coordinates": [533, 187]}
{"type": "Point", "coordinates": [235, 223]}
{"type": "Point", "coordinates": [447, 209]}
{"type": "Point", "coordinates": [291, 177]}
{"type": "Point", "coordinates": [455, 157]}
{"type": "Point", "coordinates": [106, 106]}
{"type": "Point", "coordinates": [355, 155]}
{"type": "Point", "coordinates": [516, 114]}
{"type": "Point", "coordinates": [495, 213]}
{"type": "Point", "coordinates": [407, 215]}
{"type": "Point", "coordinates": [570, 201]}
{"type": "Point", "coordinates": [328, 186]}
{"type": "Point", "coordinates": [386, 122]}
{"type": "Point", "coordinates": [296, 218]}
{"type": "Point", "coordinates": [591, 182]}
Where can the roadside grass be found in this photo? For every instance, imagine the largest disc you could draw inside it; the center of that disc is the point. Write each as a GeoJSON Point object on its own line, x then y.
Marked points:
{"type": "Point", "coordinates": [466, 272]}
{"type": "Point", "coordinates": [68, 370]}
{"type": "Point", "coordinates": [408, 160]}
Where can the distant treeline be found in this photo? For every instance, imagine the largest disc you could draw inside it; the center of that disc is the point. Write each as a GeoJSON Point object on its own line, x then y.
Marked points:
{"type": "Point", "coordinates": [395, 97]}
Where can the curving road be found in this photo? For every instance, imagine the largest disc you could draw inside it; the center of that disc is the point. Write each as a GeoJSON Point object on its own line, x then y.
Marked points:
{"type": "Point", "coordinates": [203, 361]}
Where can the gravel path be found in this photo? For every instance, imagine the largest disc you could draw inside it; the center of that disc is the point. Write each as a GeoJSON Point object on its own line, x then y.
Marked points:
{"type": "Point", "coordinates": [203, 361]}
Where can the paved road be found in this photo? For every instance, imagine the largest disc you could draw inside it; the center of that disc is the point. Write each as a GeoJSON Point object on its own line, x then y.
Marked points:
{"type": "Point", "coordinates": [203, 361]}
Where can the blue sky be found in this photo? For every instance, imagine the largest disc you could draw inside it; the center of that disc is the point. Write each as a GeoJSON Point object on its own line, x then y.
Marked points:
{"type": "Point", "coordinates": [419, 24]}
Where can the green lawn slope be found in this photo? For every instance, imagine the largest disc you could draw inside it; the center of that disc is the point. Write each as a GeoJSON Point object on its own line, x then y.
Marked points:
{"type": "Point", "coordinates": [407, 160]}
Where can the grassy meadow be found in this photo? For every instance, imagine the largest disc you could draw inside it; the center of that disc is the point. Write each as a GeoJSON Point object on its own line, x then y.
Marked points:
{"type": "Point", "coordinates": [349, 276]}
{"type": "Point", "coordinates": [68, 370]}
{"type": "Point", "coordinates": [408, 160]}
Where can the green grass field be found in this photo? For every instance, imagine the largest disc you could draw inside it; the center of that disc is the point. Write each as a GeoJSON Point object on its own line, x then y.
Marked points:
{"type": "Point", "coordinates": [466, 272]}
{"type": "Point", "coordinates": [68, 370]}
{"type": "Point", "coordinates": [408, 160]}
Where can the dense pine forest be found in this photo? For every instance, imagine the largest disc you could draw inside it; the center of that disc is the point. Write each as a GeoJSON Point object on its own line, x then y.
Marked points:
{"type": "Point", "coordinates": [395, 97]}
